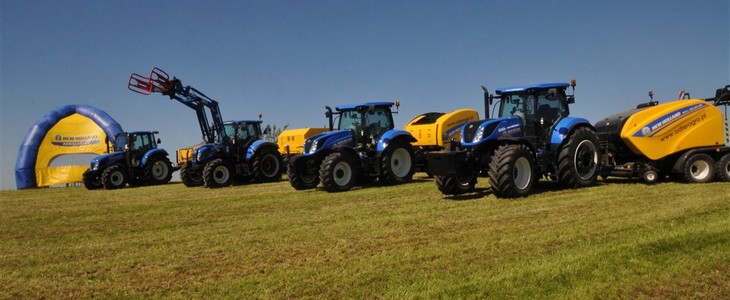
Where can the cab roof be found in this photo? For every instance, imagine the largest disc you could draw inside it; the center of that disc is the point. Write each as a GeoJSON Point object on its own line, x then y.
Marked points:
{"type": "Point", "coordinates": [242, 121]}
{"type": "Point", "coordinates": [363, 105]}
{"type": "Point", "coordinates": [540, 86]}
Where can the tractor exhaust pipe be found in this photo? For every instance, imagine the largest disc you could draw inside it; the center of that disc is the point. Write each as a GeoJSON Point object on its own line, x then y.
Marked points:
{"type": "Point", "coordinates": [487, 101]}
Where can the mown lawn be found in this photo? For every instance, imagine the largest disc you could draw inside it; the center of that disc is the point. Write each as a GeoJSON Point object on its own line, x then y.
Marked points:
{"type": "Point", "coordinates": [615, 240]}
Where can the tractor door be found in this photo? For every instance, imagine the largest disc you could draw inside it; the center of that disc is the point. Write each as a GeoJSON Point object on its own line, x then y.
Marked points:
{"type": "Point", "coordinates": [140, 144]}
{"type": "Point", "coordinates": [378, 121]}
{"type": "Point", "coordinates": [550, 107]}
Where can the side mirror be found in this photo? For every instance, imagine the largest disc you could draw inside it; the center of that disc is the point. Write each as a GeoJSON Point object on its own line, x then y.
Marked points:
{"type": "Point", "coordinates": [267, 129]}
{"type": "Point", "coordinates": [571, 99]}
{"type": "Point", "coordinates": [159, 141]}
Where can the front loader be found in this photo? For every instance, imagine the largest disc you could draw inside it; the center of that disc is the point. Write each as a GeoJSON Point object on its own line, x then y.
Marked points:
{"type": "Point", "coordinates": [232, 151]}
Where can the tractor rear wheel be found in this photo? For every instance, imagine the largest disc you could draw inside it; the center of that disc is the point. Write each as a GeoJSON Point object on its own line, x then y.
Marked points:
{"type": "Point", "coordinates": [397, 164]}
{"type": "Point", "coordinates": [218, 173]}
{"type": "Point", "coordinates": [191, 175]}
{"type": "Point", "coordinates": [722, 168]}
{"type": "Point", "coordinates": [338, 172]}
{"type": "Point", "coordinates": [699, 168]}
{"type": "Point", "coordinates": [578, 159]}
{"type": "Point", "coordinates": [299, 178]}
{"type": "Point", "coordinates": [267, 166]}
{"type": "Point", "coordinates": [114, 177]}
{"type": "Point", "coordinates": [512, 171]}
{"type": "Point", "coordinates": [455, 185]}
{"type": "Point", "coordinates": [158, 170]}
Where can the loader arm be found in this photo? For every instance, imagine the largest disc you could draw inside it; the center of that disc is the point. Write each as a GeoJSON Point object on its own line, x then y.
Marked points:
{"type": "Point", "coordinates": [159, 82]}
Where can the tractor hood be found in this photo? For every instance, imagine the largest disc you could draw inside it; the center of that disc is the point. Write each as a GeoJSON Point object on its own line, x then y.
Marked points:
{"type": "Point", "coordinates": [478, 132]}
{"type": "Point", "coordinates": [328, 140]}
{"type": "Point", "coordinates": [105, 160]}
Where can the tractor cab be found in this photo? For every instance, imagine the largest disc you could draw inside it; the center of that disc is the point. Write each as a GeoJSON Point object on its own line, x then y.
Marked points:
{"type": "Point", "coordinates": [135, 144]}
{"type": "Point", "coordinates": [243, 133]}
{"type": "Point", "coordinates": [367, 122]}
{"type": "Point", "coordinates": [538, 107]}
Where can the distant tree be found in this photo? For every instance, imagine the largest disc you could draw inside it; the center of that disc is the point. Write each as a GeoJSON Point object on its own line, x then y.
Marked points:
{"type": "Point", "coordinates": [272, 132]}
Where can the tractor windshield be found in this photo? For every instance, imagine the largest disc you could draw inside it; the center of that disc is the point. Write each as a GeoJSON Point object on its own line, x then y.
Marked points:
{"type": "Point", "coordinates": [520, 105]}
{"type": "Point", "coordinates": [350, 120]}
{"type": "Point", "coordinates": [120, 141]}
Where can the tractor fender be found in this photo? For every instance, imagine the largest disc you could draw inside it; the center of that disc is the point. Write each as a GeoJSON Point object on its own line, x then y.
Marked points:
{"type": "Point", "coordinates": [565, 127]}
{"type": "Point", "coordinates": [258, 145]}
{"type": "Point", "coordinates": [393, 135]}
{"type": "Point", "coordinates": [151, 153]}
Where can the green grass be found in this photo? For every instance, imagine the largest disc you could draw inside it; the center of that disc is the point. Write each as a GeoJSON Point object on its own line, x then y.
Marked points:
{"type": "Point", "coordinates": [614, 240]}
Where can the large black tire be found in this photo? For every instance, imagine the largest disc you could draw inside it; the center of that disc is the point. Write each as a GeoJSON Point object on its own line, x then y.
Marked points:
{"type": "Point", "coordinates": [297, 172]}
{"type": "Point", "coordinates": [91, 182]}
{"type": "Point", "coordinates": [453, 185]}
{"type": "Point", "coordinates": [397, 163]}
{"type": "Point", "coordinates": [191, 175]}
{"type": "Point", "coordinates": [267, 166]}
{"type": "Point", "coordinates": [338, 172]}
{"type": "Point", "coordinates": [722, 168]}
{"type": "Point", "coordinates": [578, 160]}
{"type": "Point", "coordinates": [512, 171]}
{"type": "Point", "coordinates": [158, 170]}
{"type": "Point", "coordinates": [699, 168]}
{"type": "Point", "coordinates": [114, 177]}
{"type": "Point", "coordinates": [218, 173]}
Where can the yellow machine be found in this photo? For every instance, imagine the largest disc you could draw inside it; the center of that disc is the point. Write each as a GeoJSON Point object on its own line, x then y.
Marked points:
{"type": "Point", "coordinates": [291, 141]}
{"type": "Point", "coordinates": [687, 139]}
{"type": "Point", "coordinates": [434, 131]}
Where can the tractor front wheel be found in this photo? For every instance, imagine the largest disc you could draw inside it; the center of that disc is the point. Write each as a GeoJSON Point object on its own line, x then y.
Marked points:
{"type": "Point", "coordinates": [158, 170]}
{"type": "Point", "coordinates": [455, 185]}
{"type": "Point", "coordinates": [267, 166]}
{"type": "Point", "coordinates": [512, 171]}
{"type": "Point", "coordinates": [299, 177]}
{"type": "Point", "coordinates": [397, 163]}
{"type": "Point", "coordinates": [114, 177]}
{"type": "Point", "coordinates": [191, 175]}
{"type": "Point", "coordinates": [217, 173]}
{"type": "Point", "coordinates": [338, 173]}
{"type": "Point", "coordinates": [699, 168]}
{"type": "Point", "coordinates": [578, 159]}
{"type": "Point", "coordinates": [91, 182]}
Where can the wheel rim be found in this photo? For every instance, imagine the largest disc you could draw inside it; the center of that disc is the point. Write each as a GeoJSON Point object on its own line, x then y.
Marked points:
{"type": "Point", "coordinates": [650, 176]}
{"type": "Point", "coordinates": [342, 173]}
{"type": "Point", "coordinates": [521, 173]}
{"type": "Point", "coordinates": [400, 162]}
{"type": "Point", "coordinates": [586, 160]}
{"type": "Point", "coordinates": [269, 165]}
{"type": "Point", "coordinates": [116, 178]}
{"type": "Point", "coordinates": [727, 169]}
{"type": "Point", "coordinates": [221, 174]}
{"type": "Point", "coordinates": [700, 169]}
{"type": "Point", "coordinates": [159, 170]}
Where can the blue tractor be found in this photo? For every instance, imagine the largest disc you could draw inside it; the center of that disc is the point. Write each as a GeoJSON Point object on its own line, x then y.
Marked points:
{"type": "Point", "coordinates": [533, 136]}
{"type": "Point", "coordinates": [232, 151]}
{"type": "Point", "coordinates": [365, 148]}
{"type": "Point", "coordinates": [135, 160]}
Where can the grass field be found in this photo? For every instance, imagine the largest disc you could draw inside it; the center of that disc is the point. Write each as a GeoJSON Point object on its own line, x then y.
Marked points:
{"type": "Point", "coordinates": [615, 240]}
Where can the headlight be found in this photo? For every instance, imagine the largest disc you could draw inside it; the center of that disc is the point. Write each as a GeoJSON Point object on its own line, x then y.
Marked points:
{"type": "Point", "coordinates": [314, 147]}
{"type": "Point", "coordinates": [478, 136]}
{"type": "Point", "coordinates": [94, 165]}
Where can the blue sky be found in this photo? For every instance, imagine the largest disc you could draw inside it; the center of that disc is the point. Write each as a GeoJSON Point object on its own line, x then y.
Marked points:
{"type": "Point", "coordinates": [288, 59]}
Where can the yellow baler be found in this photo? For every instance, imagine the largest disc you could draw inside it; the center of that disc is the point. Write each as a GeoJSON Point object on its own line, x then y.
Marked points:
{"type": "Point", "coordinates": [291, 141]}
{"type": "Point", "coordinates": [434, 131]}
{"type": "Point", "coordinates": [687, 139]}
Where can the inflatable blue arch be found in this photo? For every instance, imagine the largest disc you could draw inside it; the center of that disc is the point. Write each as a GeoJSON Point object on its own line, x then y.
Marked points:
{"type": "Point", "coordinates": [25, 167]}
